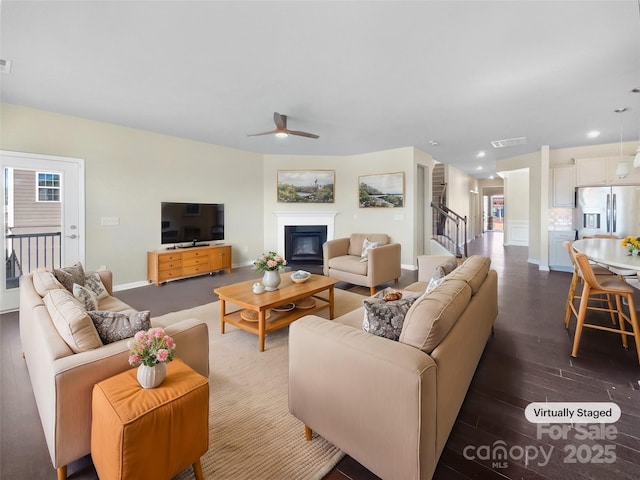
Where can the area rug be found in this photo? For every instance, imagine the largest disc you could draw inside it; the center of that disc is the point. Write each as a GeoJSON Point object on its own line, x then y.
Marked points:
{"type": "Point", "coordinates": [252, 435]}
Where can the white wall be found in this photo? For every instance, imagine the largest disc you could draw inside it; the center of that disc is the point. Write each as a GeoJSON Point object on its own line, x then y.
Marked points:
{"type": "Point", "coordinates": [129, 172]}
{"type": "Point", "coordinates": [516, 211]}
{"type": "Point", "coordinates": [397, 222]}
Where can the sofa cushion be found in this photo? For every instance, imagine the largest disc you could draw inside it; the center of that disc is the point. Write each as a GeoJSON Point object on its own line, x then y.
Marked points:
{"type": "Point", "coordinates": [445, 268]}
{"type": "Point", "coordinates": [431, 317]}
{"type": "Point", "coordinates": [44, 280]}
{"type": "Point", "coordinates": [94, 283]}
{"type": "Point", "coordinates": [385, 318]}
{"type": "Point", "coordinates": [473, 271]}
{"type": "Point", "coordinates": [367, 246]}
{"type": "Point", "coordinates": [71, 320]}
{"type": "Point", "coordinates": [85, 296]}
{"type": "Point", "coordinates": [356, 240]}
{"type": "Point", "coordinates": [349, 263]}
{"type": "Point", "coordinates": [67, 276]}
{"type": "Point", "coordinates": [114, 326]}
{"type": "Point", "coordinates": [112, 304]}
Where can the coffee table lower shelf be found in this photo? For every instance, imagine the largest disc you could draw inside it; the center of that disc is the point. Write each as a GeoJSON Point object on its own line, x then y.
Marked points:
{"type": "Point", "coordinates": [276, 321]}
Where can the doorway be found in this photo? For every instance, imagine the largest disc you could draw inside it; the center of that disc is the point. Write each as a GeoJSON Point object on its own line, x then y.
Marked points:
{"type": "Point", "coordinates": [43, 220]}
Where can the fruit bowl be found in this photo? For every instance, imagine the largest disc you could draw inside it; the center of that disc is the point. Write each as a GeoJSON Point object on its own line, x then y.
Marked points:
{"type": "Point", "coordinates": [300, 276]}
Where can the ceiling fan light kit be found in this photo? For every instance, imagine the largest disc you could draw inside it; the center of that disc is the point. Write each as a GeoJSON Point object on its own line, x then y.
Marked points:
{"type": "Point", "coordinates": [282, 131]}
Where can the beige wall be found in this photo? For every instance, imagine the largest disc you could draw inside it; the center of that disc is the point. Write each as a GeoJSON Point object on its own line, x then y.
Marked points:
{"type": "Point", "coordinates": [129, 172]}
{"type": "Point", "coordinates": [397, 222]}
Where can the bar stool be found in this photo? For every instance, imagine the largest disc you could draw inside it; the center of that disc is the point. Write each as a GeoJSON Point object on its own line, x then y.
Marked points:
{"type": "Point", "coordinates": [605, 285]}
{"type": "Point", "coordinates": [571, 297]}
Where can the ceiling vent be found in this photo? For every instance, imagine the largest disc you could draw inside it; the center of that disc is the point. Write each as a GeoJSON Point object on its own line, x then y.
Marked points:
{"type": "Point", "coordinates": [509, 142]}
{"type": "Point", "coordinates": [5, 66]}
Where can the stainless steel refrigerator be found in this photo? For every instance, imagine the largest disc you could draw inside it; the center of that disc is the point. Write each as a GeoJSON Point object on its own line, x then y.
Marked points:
{"type": "Point", "coordinates": [608, 211]}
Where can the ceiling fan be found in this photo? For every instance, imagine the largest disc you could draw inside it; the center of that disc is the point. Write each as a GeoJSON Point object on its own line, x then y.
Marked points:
{"type": "Point", "coordinates": [282, 130]}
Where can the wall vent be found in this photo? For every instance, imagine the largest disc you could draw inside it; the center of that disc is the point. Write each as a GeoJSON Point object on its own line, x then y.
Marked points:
{"type": "Point", "coordinates": [509, 142]}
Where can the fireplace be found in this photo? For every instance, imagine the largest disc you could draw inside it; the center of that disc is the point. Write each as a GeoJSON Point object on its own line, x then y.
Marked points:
{"type": "Point", "coordinates": [303, 243]}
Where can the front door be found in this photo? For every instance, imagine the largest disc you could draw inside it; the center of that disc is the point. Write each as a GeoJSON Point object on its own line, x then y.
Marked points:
{"type": "Point", "coordinates": [43, 217]}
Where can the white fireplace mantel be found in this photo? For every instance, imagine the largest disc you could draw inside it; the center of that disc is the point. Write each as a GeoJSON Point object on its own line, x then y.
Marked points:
{"type": "Point", "coordinates": [307, 218]}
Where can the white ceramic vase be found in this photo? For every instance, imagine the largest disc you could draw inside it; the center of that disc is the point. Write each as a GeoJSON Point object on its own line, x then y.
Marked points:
{"type": "Point", "coordinates": [151, 377]}
{"type": "Point", "coordinates": [271, 280]}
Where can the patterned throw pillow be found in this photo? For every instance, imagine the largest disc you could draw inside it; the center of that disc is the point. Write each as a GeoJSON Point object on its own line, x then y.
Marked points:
{"type": "Point", "coordinates": [366, 247]}
{"type": "Point", "coordinates": [86, 297]}
{"type": "Point", "coordinates": [69, 275]}
{"type": "Point", "coordinates": [94, 283]}
{"type": "Point", "coordinates": [114, 326]}
{"type": "Point", "coordinates": [385, 318]}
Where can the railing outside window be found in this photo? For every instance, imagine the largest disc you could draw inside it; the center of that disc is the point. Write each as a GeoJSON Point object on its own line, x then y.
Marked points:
{"type": "Point", "coordinates": [27, 251]}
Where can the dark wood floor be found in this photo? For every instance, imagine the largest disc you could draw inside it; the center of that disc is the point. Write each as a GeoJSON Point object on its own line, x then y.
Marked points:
{"type": "Point", "coordinates": [526, 360]}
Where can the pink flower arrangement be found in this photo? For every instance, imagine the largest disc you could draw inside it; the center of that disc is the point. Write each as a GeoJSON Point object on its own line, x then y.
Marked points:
{"type": "Point", "coordinates": [269, 262]}
{"type": "Point", "coordinates": [151, 347]}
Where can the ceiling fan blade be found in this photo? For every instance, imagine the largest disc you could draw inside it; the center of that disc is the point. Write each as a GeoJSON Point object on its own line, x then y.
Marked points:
{"type": "Point", "coordinates": [263, 133]}
{"type": "Point", "coordinates": [303, 134]}
{"type": "Point", "coordinates": [280, 120]}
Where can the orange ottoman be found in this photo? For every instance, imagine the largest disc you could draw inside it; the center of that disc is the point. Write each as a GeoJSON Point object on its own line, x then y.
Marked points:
{"type": "Point", "coordinates": [154, 433]}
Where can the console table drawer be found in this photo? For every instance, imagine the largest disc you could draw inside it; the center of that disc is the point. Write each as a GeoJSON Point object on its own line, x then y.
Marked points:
{"type": "Point", "coordinates": [195, 270]}
{"type": "Point", "coordinates": [170, 257]}
{"type": "Point", "coordinates": [195, 254]}
{"type": "Point", "coordinates": [191, 262]}
{"type": "Point", "coordinates": [167, 274]}
{"type": "Point", "coordinates": [175, 265]}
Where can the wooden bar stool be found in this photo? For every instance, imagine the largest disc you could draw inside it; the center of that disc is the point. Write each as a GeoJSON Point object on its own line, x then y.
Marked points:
{"type": "Point", "coordinates": [605, 285]}
{"type": "Point", "coordinates": [598, 270]}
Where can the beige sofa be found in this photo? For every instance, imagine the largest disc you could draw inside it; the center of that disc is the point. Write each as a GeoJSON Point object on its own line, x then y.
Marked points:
{"type": "Point", "coordinates": [62, 380]}
{"type": "Point", "coordinates": [342, 259]}
{"type": "Point", "coordinates": [392, 404]}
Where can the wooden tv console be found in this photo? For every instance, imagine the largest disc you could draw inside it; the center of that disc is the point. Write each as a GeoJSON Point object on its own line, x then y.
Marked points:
{"type": "Point", "coordinates": [164, 265]}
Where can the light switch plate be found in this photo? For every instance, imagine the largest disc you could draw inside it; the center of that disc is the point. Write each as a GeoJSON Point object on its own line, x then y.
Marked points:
{"type": "Point", "coordinates": [109, 221]}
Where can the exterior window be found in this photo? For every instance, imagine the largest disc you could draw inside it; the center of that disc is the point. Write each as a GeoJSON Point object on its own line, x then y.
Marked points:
{"type": "Point", "coordinates": [48, 185]}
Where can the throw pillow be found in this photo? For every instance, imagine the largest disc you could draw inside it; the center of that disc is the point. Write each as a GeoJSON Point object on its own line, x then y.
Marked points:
{"type": "Point", "coordinates": [385, 318]}
{"type": "Point", "coordinates": [366, 247]}
{"type": "Point", "coordinates": [433, 284]}
{"type": "Point", "coordinates": [94, 283]}
{"type": "Point", "coordinates": [71, 320]}
{"type": "Point", "coordinates": [114, 326]}
{"type": "Point", "coordinates": [430, 318]}
{"type": "Point", "coordinates": [69, 275]}
{"type": "Point", "coordinates": [445, 268]}
{"type": "Point", "coordinates": [44, 280]}
{"type": "Point", "coordinates": [86, 296]}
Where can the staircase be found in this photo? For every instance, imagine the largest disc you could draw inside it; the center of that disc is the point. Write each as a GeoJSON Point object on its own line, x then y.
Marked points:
{"type": "Point", "coordinates": [449, 228]}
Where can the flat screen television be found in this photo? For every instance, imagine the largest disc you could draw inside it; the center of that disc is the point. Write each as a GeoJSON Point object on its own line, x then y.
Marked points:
{"type": "Point", "coordinates": [191, 222]}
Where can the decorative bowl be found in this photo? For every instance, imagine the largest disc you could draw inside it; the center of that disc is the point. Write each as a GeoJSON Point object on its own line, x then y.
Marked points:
{"type": "Point", "coordinates": [300, 276]}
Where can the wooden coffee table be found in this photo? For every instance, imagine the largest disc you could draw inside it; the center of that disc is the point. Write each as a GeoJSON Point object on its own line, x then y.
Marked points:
{"type": "Point", "coordinates": [241, 294]}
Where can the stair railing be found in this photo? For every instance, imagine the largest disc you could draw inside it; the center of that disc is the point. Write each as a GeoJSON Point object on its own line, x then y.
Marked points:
{"type": "Point", "coordinates": [449, 229]}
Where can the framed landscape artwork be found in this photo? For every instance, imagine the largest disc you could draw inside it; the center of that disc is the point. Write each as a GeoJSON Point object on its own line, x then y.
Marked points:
{"type": "Point", "coordinates": [306, 186]}
{"type": "Point", "coordinates": [384, 190]}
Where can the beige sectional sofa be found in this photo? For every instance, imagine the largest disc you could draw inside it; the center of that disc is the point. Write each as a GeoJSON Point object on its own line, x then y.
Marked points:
{"type": "Point", "coordinates": [62, 380]}
{"type": "Point", "coordinates": [392, 404]}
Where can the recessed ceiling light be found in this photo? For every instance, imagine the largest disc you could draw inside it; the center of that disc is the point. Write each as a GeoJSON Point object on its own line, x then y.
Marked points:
{"type": "Point", "coordinates": [434, 142]}
{"type": "Point", "coordinates": [593, 134]}
{"type": "Point", "coordinates": [620, 109]}
{"type": "Point", "coordinates": [481, 154]}
{"type": "Point", "coordinates": [479, 167]}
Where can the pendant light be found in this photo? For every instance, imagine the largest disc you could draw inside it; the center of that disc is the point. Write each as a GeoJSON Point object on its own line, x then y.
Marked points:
{"type": "Point", "coordinates": [636, 160]}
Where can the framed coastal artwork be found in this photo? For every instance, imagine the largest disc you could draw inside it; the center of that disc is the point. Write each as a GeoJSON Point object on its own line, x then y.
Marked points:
{"type": "Point", "coordinates": [306, 186]}
{"type": "Point", "coordinates": [385, 190]}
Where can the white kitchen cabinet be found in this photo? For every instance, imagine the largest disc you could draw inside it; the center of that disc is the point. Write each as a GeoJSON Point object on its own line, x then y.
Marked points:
{"type": "Point", "coordinates": [563, 183]}
{"type": "Point", "coordinates": [591, 171]}
{"type": "Point", "coordinates": [558, 254]}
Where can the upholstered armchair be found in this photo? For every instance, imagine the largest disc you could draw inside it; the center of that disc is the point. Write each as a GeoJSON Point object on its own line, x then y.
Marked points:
{"type": "Point", "coordinates": [362, 259]}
